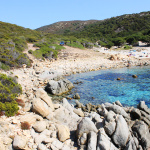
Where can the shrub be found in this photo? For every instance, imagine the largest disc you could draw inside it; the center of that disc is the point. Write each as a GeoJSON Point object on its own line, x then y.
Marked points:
{"type": "Point", "coordinates": [126, 47]}
{"type": "Point", "coordinates": [76, 45]}
{"type": "Point", "coordinates": [45, 52]}
{"type": "Point", "coordinates": [30, 51]}
{"type": "Point", "coordinates": [9, 90]}
{"type": "Point", "coordinates": [25, 125]}
{"type": "Point", "coordinates": [9, 108]}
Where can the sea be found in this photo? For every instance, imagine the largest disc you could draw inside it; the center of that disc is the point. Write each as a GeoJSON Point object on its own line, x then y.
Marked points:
{"type": "Point", "coordinates": [102, 86]}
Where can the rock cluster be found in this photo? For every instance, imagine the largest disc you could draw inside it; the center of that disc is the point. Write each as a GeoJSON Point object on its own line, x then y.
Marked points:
{"type": "Point", "coordinates": [63, 127]}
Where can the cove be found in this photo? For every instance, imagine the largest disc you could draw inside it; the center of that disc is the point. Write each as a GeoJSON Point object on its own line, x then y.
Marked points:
{"type": "Point", "coordinates": [102, 86]}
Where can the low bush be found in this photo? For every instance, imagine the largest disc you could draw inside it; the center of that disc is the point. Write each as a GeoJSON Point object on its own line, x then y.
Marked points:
{"type": "Point", "coordinates": [76, 45]}
{"type": "Point", "coordinates": [10, 57]}
{"type": "Point", "coordinates": [126, 47]}
{"type": "Point", "coordinates": [9, 90]}
{"type": "Point", "coordinates": [25, 126]}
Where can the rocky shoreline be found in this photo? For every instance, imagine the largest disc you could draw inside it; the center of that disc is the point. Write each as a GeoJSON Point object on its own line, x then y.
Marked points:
{"type": "Point", "coordinates": [66, 127]}
{"type": "Point", "coordinates": [42, 124]}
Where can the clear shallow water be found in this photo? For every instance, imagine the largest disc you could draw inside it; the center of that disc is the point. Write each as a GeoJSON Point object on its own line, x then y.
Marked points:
{"type": "Point", "coordinates": [102, 86]}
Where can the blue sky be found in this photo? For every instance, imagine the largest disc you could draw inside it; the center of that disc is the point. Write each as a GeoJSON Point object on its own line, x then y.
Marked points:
{"type": "Point", "coordinates": [36, 13]}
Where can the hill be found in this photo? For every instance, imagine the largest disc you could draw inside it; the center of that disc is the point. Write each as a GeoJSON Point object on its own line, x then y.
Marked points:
{"type": "Point", "coordinates": [125, 26]}
{"type": "Point", "coordinates": [66, 26]}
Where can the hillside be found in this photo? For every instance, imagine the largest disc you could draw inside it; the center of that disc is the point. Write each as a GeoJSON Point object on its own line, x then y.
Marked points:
{"type": "Point", "coordinates": [65, 27]}
{"type": "Point", "coordinates": [136, 25]}
{"type": "Point", "coordinates": [13, 41]}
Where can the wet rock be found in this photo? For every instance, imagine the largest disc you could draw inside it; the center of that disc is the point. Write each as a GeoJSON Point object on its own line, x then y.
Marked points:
{"type": "Point", "coordinates": [121, 134]}
{"type": "Point", "coordinates": [78, 104]}
{"type": "Point", "coordinates": [76, 96]}
{"type": "Point", "coordinates": [85, 126]}
{"type": "Point", "coordinates": [134, 76]}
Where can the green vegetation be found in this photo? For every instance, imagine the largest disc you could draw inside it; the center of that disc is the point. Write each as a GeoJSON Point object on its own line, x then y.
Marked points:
{"type": "Point", "coordinates": [9, 90]}
{"type": "Point", "coordinates": [13, 41]}
{"type": "Point", "coordinates": [114, 31]}
{"type": "Point", "coordinates": [118, 30]}
{"type": "Point", "coordinates": [126, 47]}
{"type": "Point", "coordinates": [10, 56]}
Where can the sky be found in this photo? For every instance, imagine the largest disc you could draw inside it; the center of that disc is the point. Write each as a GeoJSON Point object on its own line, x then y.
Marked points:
{"type": "Point", "coordinates": [36, 13]}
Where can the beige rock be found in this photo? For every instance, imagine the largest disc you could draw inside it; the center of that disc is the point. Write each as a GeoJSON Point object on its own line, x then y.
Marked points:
{"type": "Point", "coordinates": [39, 126]}
{"type": "Point", "coordinates": [40, 107]}
{"type": "Point", "coordinates": [63, 133]}
{"type": "Point", "coordinates": [19, 142]}
{"type": "Point", "coordinates": [57, 144]}
{"type": "Point", "coordinates": [7, 141]}
{"type": "Point", "coordinates": [30, 118]}
{"type": "Point", "coordinates": [40, 93]}
{"type": "Point", "coordinates": [79, 112]}
{"type": "Point", "coordinates": [2, 146]}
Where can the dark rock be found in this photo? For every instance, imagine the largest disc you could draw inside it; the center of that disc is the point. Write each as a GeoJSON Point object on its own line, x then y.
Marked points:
{"type": "Point", "coordinates": [135, 114]}
{"type": "Point", "coordinates": [89, 107]}
{"type": "Point", "coordinates": [76, 96]}
{"type": "Point", "coordinates": [145, 120]}
{"type": "Point", "coordinates": [78, 104]}
{"type": "Point", "coordinates": [118, 79]}
{"type": "Point", "coordinates": [58, 87]}
{"type": "Point", "coordinates": [118, 103]}
{"type": "Point", "coordinates": [134, 76]}
{"type": "Point", "coordinates": [131, 145]}
{"type": "Point", "coordinates": [144, 114]}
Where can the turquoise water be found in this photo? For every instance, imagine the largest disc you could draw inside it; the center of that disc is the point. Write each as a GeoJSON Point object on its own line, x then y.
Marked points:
{"type": "Point", "coordinates": [102, 86]}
